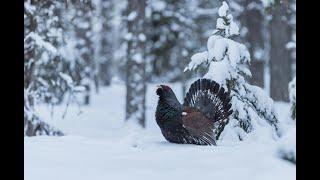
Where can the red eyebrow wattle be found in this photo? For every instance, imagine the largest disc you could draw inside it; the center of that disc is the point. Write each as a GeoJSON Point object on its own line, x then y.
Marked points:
{"type": "Point", "coordinates": [166, 87]}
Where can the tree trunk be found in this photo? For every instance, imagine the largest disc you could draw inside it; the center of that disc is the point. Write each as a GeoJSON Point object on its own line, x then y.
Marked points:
{"type": "Point", "coordinates": [253, 20]}
{"type": "Point", "coordinates": [106, 51]}
{"type": "Point", "coordinates": [135, 77]}
{"type": "Point", "coordinates": [257, 69]}
{"type": "Point", "coordinates": [86, 62]}
{"type": "Point", "coordinates": [105, 75]}
{"type": "Point", "coordinates": [280, 60]}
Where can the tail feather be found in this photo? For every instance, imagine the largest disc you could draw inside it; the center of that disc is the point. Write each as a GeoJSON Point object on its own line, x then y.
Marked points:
{"type": "Point", "coordinates": [211, 99]}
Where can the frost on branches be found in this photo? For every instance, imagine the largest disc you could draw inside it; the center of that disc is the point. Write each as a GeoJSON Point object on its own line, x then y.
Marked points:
{"type": "Point", "coordinates": [227, 62]}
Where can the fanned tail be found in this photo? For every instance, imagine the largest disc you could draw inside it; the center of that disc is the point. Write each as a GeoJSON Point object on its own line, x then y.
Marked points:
{"type": "Point", "coordinates": [211, 99]}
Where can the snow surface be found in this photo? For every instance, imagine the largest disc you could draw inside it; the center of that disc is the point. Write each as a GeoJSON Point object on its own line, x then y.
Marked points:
{"type": "Point", "coordinates": [99, 146]}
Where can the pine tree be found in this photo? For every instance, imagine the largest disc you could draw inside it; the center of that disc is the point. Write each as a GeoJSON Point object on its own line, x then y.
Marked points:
{"type": "Point", "coordinates": [103, 39]}
{"type": "Point", "coordinates": [43, 64]}
{"type": "Point", "coordinates": [227, 62]}
{"type": "Point", "coordinates": [86, 68]}
{"type": "Point", "coordinates": [169, 38]}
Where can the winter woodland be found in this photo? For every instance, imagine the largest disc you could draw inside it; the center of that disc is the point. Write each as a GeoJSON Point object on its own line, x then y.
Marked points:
{"type": "Point", "coordinates": [90, 73]}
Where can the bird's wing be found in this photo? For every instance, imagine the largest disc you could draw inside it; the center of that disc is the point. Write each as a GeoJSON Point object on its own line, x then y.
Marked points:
{"type": "Point", "coordinates": [197, 124]}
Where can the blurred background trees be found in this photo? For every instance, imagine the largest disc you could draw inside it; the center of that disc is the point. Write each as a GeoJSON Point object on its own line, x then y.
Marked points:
{"type": "Point", "coordinates": [74, 47]}
{"type": "Point", "coordinates": [136, 61]}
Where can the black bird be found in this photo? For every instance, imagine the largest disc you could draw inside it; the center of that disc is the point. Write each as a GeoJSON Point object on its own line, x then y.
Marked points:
{"type": "Point", "coordinates": [206, 108]}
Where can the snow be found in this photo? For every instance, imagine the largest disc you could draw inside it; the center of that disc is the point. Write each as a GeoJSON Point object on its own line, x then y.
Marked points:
{"type": "Point", "coordinates": [137, 58]}
{"type": "Point", "coordinates": [217, 47]}
{"type": "Point", "coordinates": [78, 88]}
{"type": "Point", "coordinates": [220, 47]}
{"type": "Point", "coordinates": [234, 29]}
{"type": "Point", "coordinates": [67, 78]}
{"type": "Point", "coordinates": [220, 24]}
{"type": "Point", "coordinates": [291, 45]}
{"type": "Point", "coordinates": [292, 90]}
{"type": "Point", "coordinates": [41, 42]}
{"type": "Point", "coordinates": [223, 9]}
{"type": "Point", "coordinates": [158, 5]}
{"type": "Point", "coordinates": [228, 65]}
{"type": "Point", "coordinates": [98, 145]}
{"type": "Point", "coordinates": [225, 54]}
{"type": "Point", "coordinates": [29, 7]}
{"type": "Point", "coordinates": [218, 71]}
{"type": "Point", "coordinates": [128, 36]}
{"type": "Point", "coordinates": [197, 59]}
{"type": "Point", "coordinates": [287, 144]}
{"type": "Point", "coordinates": [230, 27]}
{"type": "Point", "coordinates": [142, 37]}
{"type": "Point", "coordinates": [132, 16]}
{"type": "Point", "coordinates": [267, 3]}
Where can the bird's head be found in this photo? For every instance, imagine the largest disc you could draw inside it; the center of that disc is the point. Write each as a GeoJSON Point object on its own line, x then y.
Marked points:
{"type": "Point", "coordinates": [163, 90]}
{"type": "Point", "coordinates": [167, 96]}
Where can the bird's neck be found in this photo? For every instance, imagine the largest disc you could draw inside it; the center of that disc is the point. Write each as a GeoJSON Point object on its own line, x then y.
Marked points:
{"type": "Point", "coordinates": [171, 106]}
{"type": "Point", "coordinates": [168, 112]}
{"type": "Point", "coordinates": [171, 100]}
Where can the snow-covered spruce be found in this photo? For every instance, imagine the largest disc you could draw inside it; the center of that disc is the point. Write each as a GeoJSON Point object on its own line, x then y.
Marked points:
{"type": "Point", "coordinates": [292, 96]}
{"type": "Point", "coordinates": [227, 62]}
{"type": "Point", "coordinates": [33, 124]}
{"type": "Point", "coordinates": [47, 69]}
{"type": "Point", "coordinates": [287, 146]}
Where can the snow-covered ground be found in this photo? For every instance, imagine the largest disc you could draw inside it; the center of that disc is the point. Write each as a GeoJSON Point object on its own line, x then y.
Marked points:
{"type": "Point", "coordinates": [99, 146]}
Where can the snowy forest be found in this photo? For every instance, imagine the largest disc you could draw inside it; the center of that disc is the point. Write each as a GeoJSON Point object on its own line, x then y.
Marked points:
{"type": "Point", "coordinates": [92, 73]}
